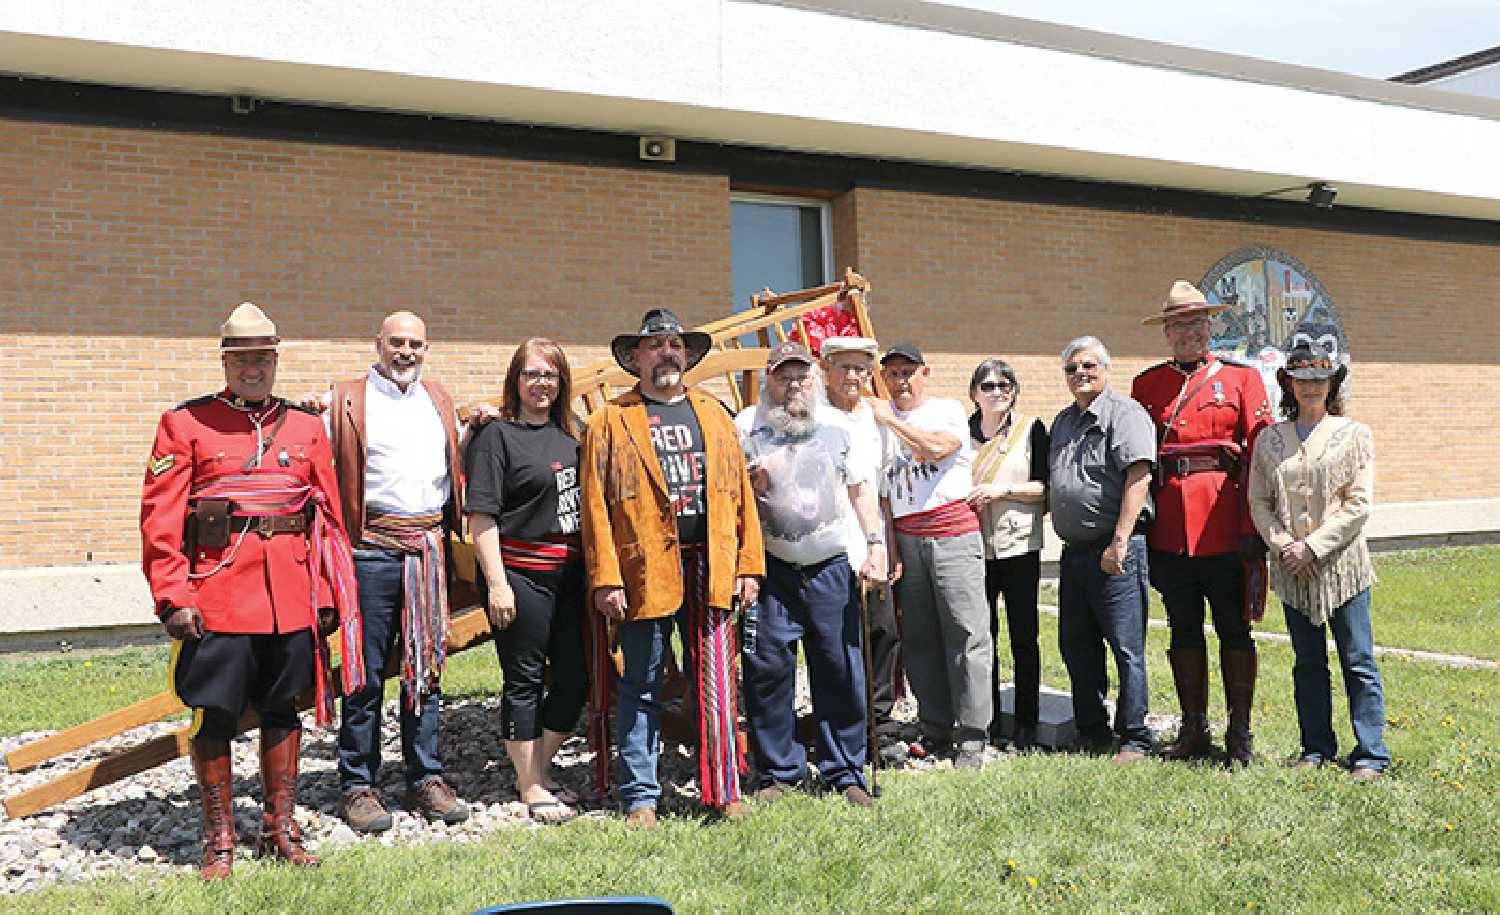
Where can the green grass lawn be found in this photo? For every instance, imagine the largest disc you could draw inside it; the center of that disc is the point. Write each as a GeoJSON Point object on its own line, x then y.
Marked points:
{"type": "Point", "coordinates": [1445, 600]}
{"type": "Point", "coordinates": [1040, 832]}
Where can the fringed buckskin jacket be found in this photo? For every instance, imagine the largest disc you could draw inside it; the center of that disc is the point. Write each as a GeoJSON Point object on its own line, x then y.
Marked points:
{"type": "Point", "coordinates": [1320, 492]}
{"type": "Point", "coordinates": [629, 524]}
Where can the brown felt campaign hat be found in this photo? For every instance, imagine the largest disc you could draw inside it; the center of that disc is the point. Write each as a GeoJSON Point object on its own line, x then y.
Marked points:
{"type": "Point", "coordinates": [1184, 299]}
{"type": "Point", "coordinates": [248, 328]}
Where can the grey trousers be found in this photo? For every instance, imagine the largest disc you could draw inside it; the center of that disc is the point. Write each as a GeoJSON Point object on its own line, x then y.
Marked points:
{"type": "Point", "coordinates": [945, 634]}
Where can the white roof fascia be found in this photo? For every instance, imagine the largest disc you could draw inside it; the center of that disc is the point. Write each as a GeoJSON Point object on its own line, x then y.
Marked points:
{"type": "Point", "coordinates": [894, 79]}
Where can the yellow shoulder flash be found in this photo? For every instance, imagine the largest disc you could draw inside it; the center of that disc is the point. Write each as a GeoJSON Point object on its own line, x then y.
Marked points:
{"type": "Point", "coordinates": [160, 465]}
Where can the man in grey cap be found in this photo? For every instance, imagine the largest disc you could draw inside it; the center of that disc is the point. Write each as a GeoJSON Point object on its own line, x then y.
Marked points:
{"type": "Point", "coordinates": [798, 451]}
{"type": "Point", "coordinates": [1099, 491]}
{"type": "Point", "coordinates": [946, 644]}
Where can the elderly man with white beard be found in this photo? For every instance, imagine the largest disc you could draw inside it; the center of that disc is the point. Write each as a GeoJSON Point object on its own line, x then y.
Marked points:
{"type": "Point", "coordinates": [797, 449]}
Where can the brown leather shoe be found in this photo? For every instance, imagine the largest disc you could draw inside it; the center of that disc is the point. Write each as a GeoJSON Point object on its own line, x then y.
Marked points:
{"type": "Point", "coordinates": [643, 817]}
{"type": "Point", "coordinates": [214, 768]}
{"type": "Point", "coordinates": [736, 810]}
{"type": "Point", "coordinates": [363, 810]}
{"type": "Point", "coordinates": [280, 837]}
{"type": "Point", "coordinates": [1365, 774]}
{"type": "Point", "coordinates": [858, 797]}
{"type": "Point", "coordinates": [436, 801]}
{"type": "Point", "coordinates": [1124, 757]}
{"type": "Point", "coordinates": [769, 793]}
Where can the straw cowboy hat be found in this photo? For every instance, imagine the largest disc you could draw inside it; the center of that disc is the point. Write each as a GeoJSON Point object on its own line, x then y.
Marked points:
{"type": "Point", "coordinates": [661, 322]}
{"type": "Point", "coordinates": [1184, 299]}
{"type": "Point", "coordinates": [248, 328]}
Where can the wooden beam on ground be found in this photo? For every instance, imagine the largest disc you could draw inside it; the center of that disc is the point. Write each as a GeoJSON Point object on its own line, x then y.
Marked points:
{"type": "Point", "coordinates": [469, 628]}
{"type": "Point", "coordinates": [109, 770]}
{"type": "Point", "coordinates": [153, 708]}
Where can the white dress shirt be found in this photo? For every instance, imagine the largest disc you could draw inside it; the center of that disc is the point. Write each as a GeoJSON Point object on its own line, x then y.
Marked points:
{"type": "Point", "coordinates": [406, 463]}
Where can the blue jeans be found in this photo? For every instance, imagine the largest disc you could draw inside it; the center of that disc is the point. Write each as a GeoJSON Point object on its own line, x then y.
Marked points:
{"type": "Point", "coordinates": [1097, 609]}
{"type": "Point", "coordinates": [378, 573]}
{"type": "Point", "coordinates": [819, 606]}
{"type": "Point", "coordinates": [644, 645]}
{"type": "Point", "coordinates": [1312, 686]}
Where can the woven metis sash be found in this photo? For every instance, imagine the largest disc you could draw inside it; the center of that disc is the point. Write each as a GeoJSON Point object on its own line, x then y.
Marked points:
{"type": "Point", "coordinates": [424, 615]}
{"type": "Point", "coordinates": [948, 520]}
{"type": "Point", "coordinates": [270, 492]}
{"type": "Point", "coordinates": [711, 656]}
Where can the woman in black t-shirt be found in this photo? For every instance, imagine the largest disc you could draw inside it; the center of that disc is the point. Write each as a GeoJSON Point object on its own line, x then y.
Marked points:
{"type": "Point", "coordinates": [522, 502]}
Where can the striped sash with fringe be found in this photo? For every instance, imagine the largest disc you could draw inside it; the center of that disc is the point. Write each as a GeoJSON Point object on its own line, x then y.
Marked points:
{"type": "Point", "coordinates": [425, 613]}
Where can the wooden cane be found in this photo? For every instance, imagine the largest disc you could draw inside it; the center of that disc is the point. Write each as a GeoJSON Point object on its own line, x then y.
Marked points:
{"type": "Point", "coordinates": [872, 743]}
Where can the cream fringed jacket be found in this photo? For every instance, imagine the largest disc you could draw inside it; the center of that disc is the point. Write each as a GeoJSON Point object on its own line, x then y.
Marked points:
{"type": "Point", "coordinates": [1319, 492]}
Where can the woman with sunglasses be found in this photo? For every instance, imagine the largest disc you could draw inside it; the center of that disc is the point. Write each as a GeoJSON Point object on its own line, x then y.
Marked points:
{"type": "Point", "coordinates": [1010, 496]}
{"type": "Point", "coordinates": [1312, 481]}
{"type": "Point", "coordinates": [522, 500]}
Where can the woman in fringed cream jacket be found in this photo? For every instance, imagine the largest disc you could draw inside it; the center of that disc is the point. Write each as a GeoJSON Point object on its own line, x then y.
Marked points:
{"type": "Point", "coordinates": [1312, 482]}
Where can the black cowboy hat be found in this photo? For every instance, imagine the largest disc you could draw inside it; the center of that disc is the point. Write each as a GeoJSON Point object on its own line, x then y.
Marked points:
{"type": "Point", "coordinates": [661, 322]}
{"type": "Point", "coordinates": [1312, 361]}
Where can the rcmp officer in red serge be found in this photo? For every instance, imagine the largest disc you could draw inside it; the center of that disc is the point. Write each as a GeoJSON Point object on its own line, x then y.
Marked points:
{"type": "Point", "coordinates": [245, 553]}
{"type": "Point", "coordinates": [1207, 413]}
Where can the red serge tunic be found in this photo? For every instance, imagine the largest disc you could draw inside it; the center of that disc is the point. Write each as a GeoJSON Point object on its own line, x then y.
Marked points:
{"type": "Point", "coordinates": [1203, 513]}
{"type": "Point", "coordinates": [256, 584]}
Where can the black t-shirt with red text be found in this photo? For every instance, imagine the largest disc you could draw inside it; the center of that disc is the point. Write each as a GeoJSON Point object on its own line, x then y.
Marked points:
{"type": "Point", "coordinates": [679, 448]}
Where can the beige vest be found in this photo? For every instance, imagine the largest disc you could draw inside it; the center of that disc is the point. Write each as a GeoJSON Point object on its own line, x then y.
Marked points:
{"type": "Point", "coordinates": [1009, 528]}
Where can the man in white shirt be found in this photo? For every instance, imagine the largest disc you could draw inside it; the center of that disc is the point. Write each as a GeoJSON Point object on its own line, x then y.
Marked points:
{"type": "Point", "coordinates": [946, 643]}
{"type": "Point", "coordinates": [848, 365]}
{"type": "Point", "coordinates": [396, 448]}
{"type": "Point", "coordinates": [797, 452]}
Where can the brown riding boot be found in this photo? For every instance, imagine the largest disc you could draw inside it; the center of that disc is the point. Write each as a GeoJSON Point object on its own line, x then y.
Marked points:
{"type": "Point", "coordinates": [212, 764]}
{"type": "Point", "coordinates": [1239, 694]}
{"type": "Point", "coordinates": [1190, 672]}
{"type": "Point", "coordinates": [279, 836]}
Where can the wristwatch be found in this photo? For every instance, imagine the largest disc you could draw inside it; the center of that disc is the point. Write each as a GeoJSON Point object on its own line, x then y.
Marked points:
{"type": "Point", "coordinates": [874, 538]}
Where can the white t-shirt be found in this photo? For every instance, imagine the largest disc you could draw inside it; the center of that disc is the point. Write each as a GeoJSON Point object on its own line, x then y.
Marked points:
{"type": "Point", "coordinates": [870, 449]}
{"type": "Point", "coordinates": [800, 484]}
{"type": "Point", "coordinates": [918, 486]}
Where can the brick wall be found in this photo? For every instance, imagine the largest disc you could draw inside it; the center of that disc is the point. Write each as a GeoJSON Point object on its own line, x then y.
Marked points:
{"type": "Point", "coordinates": [970, 278]}
{"type": "Point", "coordinates": [123, 250]}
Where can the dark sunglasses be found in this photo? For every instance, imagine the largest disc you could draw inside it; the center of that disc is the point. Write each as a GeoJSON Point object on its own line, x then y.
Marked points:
{"type": "Point", "coordinates": [990, 387]}
{"type": "Point", "coordinates": [1073, 368]}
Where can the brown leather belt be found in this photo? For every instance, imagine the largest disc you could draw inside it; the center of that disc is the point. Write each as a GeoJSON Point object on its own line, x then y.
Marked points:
{"type": "Point", "coordinates": [1188, 464]}
{"type": "Point", "coordinates": [268, 525]}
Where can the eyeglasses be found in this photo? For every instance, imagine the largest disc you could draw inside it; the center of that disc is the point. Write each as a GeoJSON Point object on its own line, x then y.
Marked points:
{"type": "Point", "coordinates": [990, 387]}
{"type": "Point", "coordinates": [791, 381]}
{"type": "Point", "coordinates": [539, 375]}
{"type": "Point", "coordinates": [858, 368]}
{"type": "Point", "coordinates": [1073, 368]}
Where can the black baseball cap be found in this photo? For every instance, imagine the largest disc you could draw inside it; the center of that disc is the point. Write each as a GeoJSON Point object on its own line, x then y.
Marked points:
{"type": "Point", "coordinates": [903, 351]}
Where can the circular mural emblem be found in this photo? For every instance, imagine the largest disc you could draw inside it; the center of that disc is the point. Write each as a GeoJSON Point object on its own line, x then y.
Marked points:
{"type": "Point", "coordinates": [1275, 302]}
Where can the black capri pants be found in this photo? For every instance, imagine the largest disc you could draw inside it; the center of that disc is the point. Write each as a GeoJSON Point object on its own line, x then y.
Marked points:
{"type": "Point", "coordinates": [545, 637]}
